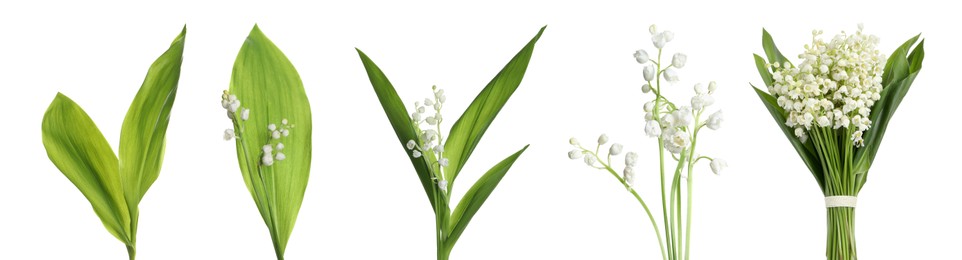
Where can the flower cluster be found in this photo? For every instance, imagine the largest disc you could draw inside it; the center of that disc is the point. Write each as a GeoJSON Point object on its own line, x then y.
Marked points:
{"type": "Point", "coordinates": [429, 138]}
{"type": "Point", "coordinates": [591, 157]}
{"type": "Point", "coordinates": [673, 125]}
{"type": "Point", "coordinates": [835, 85]}
{"type": "Point", "coordinates": [271, 151]}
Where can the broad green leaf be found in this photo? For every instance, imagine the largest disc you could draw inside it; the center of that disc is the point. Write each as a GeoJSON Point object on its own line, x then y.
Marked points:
{"type": "Point", "coordinates": [466, 133]}
{"type": "Point", "coordinates": [805, 150]}
{"type": "Point", "coordinates": [399, 118]}
{"type": "Point", "coordinates": [265, 82]}
{"type": "Point", "coordinates": [142, 137]}
{"type": "Point", "coordinates": [763, 70]}
{"type": "Point", "coordinates": [893, 70]}
{"type": "Point", "coordinates": [770, 50]}
{"type": "Point", "coordinates": [80, 151]}
{"type": "Point", "coordinates": [475, 197]}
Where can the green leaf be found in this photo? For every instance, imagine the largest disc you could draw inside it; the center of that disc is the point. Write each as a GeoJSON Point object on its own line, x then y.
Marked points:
{"type": "Point", "coordinates": [805, 150]}
{"type": "Point", "coordinates": [399, 118]}
{"type": "Point", "coordinates": [265, 82]}
{"type": "Point", "coordinates": [893, 92]}
{"type": "Point", "coordinates": [79, 150]}
{"type": "Point", "coordinates": [897, 65]}
{"type": "Point", "coordinates": [763, 70]}
{"type": "Point", "coordinates": [915, 59]}
{"type": "Point", "coordinates": [466, 133]}
{"type": "Point", "coordinates": [144, 131]}
{"type": "Point", "coordinates": [770, 50]}
{"type": "Point", "coordinates": [475, 197]}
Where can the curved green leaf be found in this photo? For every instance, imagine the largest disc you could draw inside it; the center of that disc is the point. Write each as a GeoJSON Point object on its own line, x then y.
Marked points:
{"type": "Point", "coordinates": [75, 145]}
{"type": "Point", "coordinates": [770, 50]}
{"type": "Point", "coordinates": [760, 64]}
{"type": "Point", "coordinates": [265, 82]}
{"type": "Point", "coordinates": [400, 120]}
{"type": "Point", "coordinates": [475, 197]}
{"type": "Point", "coordinates": [805, 150]}
{"type": "Point", "coordinates": [900, 71]}
{"type": "Point", "coordinates": [144, 131]}
{"type": "Point", "coordinates": [466, 133]}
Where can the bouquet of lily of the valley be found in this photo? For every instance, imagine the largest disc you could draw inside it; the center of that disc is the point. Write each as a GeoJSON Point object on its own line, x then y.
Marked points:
{"type": "Point", "coordinates": [834, 107]}
{"type": "Point", "coordinates": [676, 127]}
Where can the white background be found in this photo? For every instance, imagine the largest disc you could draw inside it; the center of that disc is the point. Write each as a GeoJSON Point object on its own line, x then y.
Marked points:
{"type": "Point", "coordinates": [364, 201]}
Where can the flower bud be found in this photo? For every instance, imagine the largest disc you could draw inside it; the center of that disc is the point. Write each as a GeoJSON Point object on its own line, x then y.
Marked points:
{"type": "Point", "coordinates": [574, 141]}
{"type": "Point", "coordinates": [631, 158]}
{"type": "Point", "coordinates": [645, 88]}
{"type": "Point", "coordinates": [649, 72]}
{"type": "Point", "coordinates": [717, 165]}
{"type": "Point", "coordinates": [670, 75]}
{"type": "Point", "coordinates": [715, 120]}
{"type": "Point", "coordinates": [602, 139]}
{"type": "Point", "coordinates": [574, 154]}
{"type": "Point", "coordinates": [615, 149]}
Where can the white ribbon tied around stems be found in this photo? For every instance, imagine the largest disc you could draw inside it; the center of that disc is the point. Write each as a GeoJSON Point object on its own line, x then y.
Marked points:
{"type": "Point", "coordinates": [840, 201]}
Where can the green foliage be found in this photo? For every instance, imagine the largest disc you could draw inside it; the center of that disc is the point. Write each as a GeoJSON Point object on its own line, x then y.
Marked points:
{"type": "Point", "coordinates": [267, 84]}
{"type": "Point", "coordinates": [115, 186]}
{"type": "Point", "coordinates": [465, 135]}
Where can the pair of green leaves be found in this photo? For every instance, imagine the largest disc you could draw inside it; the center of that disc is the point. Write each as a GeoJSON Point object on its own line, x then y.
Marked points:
{"type": "Point", "coordinates": [465, 135]}
{"type": "Point", "coordinates": [265, 82]}
{"type": "Point", "coordinates": [901, 68]}
{"type": "Point", "coordinates": [115, 186]}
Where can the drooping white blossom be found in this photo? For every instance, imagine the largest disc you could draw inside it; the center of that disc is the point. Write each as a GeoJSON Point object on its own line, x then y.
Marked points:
{"type": "Point", "coordinates": [718, 164]}
{"type": "Point", "coordinates": [615, 149]}
{"type": "Point", "coordinates": [280, 156]}
{"type": "Point", "coordinates": [575, 154]}
{"type": "Point", "coordinates": [715, 120]}
{"type": "Point", "coordinates": [603, 139]}
{"type": "Point", "coordinates": [574, 141]}
{"type": "Point", "coordinates": [678, 60]}
{"type": "Point", "coordinates": [670, 74]}
{"type": "Point", "coordinates": [228, 134]}
{"type": "Point", "coordinates": [641, 56]}
{"type": "Point", "coordinates": [245, 114]}
{"type": "Point", "coordinates": [649, 72]}
{"type": "Point", "coordinates": [631, 158]}
{"type": "Point", "coordinates": [652, 128]}
{"type": "Point", "coordinates": [629, 175]}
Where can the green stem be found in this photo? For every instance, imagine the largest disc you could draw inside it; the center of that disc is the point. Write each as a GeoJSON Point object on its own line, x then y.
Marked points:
{"type": "Point", "coordinates": [654, 224]}
{"type": "Point", "coordinates": [131, 251]}
{"type": "Point", "coordinates": [841, 234]}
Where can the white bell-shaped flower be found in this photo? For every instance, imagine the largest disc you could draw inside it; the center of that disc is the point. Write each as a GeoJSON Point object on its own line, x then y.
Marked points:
{"type": "Point", "coordinates": [603, 139]}
{"type": "Point", "coordinates": [575, 154]}
{"type": "Point", "coordinates": [670, 74]}
{"type": "Point", "coordinates": [715, 120]}
{"type": "Point", "coordinates": [228, 134]}
{"type": "Point", "coordinates": [652, 128]}
{"type": "Point", "coordinates": [649, 72]}
{"type": "Point", "coordinates": [641, 56]}
{"type": "Point", "coordinates": [717, 165]}
{"type": "Point", "coordinates": [678, 60]}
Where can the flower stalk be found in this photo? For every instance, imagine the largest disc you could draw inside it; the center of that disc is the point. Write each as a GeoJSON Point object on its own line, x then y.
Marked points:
{"type": "Point", "coordinates": [676, 129]}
